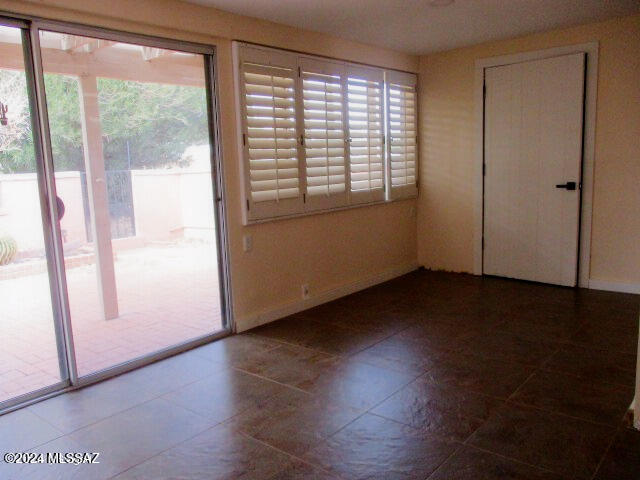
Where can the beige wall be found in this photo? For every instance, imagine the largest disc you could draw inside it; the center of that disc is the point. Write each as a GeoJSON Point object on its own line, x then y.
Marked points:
{"type": "Point", "coordinates": [448, 132]}
{"type": "Point", "coordinates": [20, 211]}
{"type": "Point", "coordinates": [326, 251]}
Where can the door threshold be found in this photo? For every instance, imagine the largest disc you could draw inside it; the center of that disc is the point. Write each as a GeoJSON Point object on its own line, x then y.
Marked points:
{"type": "Point", "coordinates": [93, 378]}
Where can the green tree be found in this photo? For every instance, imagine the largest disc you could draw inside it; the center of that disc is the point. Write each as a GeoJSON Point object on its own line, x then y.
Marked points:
{"type": "Point", "coordinates": [144, 125]}
{"type": "Point", "coordinates": [149, 125]}
{"type": "Point", "coordinates": [63, 108]}
{"type": "Point", "coordinates": [16, 144]}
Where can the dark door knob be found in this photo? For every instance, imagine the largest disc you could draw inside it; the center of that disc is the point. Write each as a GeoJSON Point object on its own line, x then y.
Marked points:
{"type": "Point", "coordinates": [568, 185]}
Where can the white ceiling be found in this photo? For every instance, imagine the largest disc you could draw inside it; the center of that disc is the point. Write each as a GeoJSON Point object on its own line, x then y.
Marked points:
{"type": "Point", "coordinates": [415, 27]}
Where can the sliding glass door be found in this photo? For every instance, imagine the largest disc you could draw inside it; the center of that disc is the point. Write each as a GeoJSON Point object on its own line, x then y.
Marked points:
{"type": "Point", "coordinates": [32, 359]}
{"type": "Point", "coordinates": [132, 160]}
{"type": "Point", "coordinates": [128, 166]}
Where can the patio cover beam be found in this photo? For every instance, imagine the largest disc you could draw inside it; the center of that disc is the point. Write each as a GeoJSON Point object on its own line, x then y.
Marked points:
{"type": "Point", "coordinates": [97, 193]}
{"type": "Point", "coordinates": [111, 63]}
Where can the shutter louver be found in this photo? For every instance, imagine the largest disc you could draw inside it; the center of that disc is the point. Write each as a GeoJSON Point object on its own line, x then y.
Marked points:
{"type": "Point", "coordinates": [271, 138]}
{"type": "Point", "coordinates": [402, 134]}
{"type": "Point", "coordinates": [324, 137]}
{"type": "Point", "coordinates": [366, 149]}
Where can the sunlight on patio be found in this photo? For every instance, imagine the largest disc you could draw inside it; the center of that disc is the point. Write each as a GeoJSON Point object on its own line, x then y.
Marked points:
{"type": "Point", "coordinates": [167, 294]}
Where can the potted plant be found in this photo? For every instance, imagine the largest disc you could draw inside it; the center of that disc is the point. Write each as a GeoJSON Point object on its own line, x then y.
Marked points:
{"type": "Point", "coordinates": [8, 249]}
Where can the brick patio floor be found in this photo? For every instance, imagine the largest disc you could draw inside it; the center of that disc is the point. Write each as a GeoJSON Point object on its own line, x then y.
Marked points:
{"type": "Point", "coordinates": [167, 294]}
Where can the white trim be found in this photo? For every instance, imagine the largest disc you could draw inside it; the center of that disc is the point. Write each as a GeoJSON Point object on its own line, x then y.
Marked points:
{"type": "Point", "coordinates": [614, 286]}
{"type": "Point", "coordinates": [266, 316]}
{"type": "Point", "coordinates": [591, 80]}
{"type": "Point", "coordinates": [478, 183]}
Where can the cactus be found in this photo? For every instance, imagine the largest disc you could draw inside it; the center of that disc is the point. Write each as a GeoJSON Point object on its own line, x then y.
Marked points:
{"type": "Point", "coordinates": [8, 250]}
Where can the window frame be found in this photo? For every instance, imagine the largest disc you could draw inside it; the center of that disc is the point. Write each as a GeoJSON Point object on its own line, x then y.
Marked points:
{"type": "Point", "coordinates": [254, 212]}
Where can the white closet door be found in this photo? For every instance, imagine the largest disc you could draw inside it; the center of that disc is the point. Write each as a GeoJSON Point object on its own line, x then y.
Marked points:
{"type": "Point", "coordinates": [533, 146]}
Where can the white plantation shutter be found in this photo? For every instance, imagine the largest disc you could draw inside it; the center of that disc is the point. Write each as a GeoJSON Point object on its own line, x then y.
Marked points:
{"type": "Point", "coordinates": [324, 133]}
{"type": "Point", "coordinates": [402, 134]}
{"type": "Point", "coordinates": [365, 124]}
{"type": "Point", "coordinates": [272, 165]}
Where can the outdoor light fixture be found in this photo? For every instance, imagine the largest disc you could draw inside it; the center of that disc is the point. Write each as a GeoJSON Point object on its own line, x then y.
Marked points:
{"type": "Point", "coordinates": [3, 114]}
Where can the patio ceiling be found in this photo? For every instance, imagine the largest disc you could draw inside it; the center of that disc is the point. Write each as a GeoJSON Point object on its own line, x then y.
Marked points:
{"type": "Point", "coordinates": [82, 56]}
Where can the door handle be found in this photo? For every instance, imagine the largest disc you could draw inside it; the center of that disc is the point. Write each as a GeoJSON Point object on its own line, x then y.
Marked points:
{"type": "Point", "coordinates": [568, 185]}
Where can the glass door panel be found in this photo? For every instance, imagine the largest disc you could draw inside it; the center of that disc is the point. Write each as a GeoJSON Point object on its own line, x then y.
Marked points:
{"type": "Point", "coordinates": [131, 152]}
{"type": "Point", "coordinates": [30, 359]}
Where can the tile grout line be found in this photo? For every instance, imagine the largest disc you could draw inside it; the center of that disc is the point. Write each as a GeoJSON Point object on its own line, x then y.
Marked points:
{"type": "Point", "coordinates": [456, 450]}
{"type": "Point", "coordinates": [561, 414]}
{"type": "Point", "coordinates": [515, 460]}
{"type": "Point", "coordinates": [155, 397]}
{"type": "Point", "coordinates": [437, 436]}
{"type": "Point", "coordinates": [166, 449]}
{"type": "Point", "coordinates": [215, 424]}
{"type": "Point", "coordinates": [606, 452]}
{"type": "Point", "coordinates": [507, 401]}
{"type": "Point", "coordinates": [126, 410]}
{"type": "Point", "coordinates": [268, 445]}
{"type": "Point", "coordinates": [536, 370]}
{"type": "Point", "coordinates": [539, 370]}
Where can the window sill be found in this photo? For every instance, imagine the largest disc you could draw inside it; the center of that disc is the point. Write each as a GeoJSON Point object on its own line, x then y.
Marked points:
{"type": "Point", "coordinates": [329, 210]}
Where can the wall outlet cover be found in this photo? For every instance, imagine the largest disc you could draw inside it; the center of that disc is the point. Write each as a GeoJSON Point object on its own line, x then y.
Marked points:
{"type": "Point", "coordinates": [247, 243]}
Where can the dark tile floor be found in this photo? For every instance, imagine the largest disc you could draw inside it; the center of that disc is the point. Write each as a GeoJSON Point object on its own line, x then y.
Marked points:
{"type": "Point", "coordinates": [429, 376]}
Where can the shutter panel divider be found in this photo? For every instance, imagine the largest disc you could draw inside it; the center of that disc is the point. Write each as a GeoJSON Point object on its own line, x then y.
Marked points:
{"type": "Point", "coordinates": [300, 142]}
{"type": "Point", "coordinates": [347, 135]}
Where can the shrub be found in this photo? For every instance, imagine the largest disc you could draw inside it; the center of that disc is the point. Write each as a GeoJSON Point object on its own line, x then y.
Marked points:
{"type": "Point", "coordinates": [8, 250]}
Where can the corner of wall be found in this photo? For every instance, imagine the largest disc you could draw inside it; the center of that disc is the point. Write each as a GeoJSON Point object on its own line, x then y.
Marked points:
{"type": "Point", "coordinates": [250, 321]}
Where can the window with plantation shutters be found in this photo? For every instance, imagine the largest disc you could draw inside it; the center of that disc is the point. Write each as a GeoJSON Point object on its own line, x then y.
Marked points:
{"type": "Point", "coordinates": [401, 134]}
{"type": "Point", "coordinates": [320, 134]}
{"type": "Point", "coordinates": [324, 134]}
{"type": "Point", "coordinates": [365, 126]}
{"type": "Point", "coordinates": [272, 169]}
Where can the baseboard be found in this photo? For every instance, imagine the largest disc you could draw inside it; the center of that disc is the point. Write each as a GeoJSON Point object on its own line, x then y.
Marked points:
{"type": "Point", "coordinates": [614, 286]}
{"type": "Point", "coordinates": [252, 321]}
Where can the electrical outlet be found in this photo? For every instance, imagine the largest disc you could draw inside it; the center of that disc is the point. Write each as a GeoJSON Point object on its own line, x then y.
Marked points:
{"type": "Point", "coordinates": [305, 291]}
{"type": "Point", "coordinates": [247, 243]}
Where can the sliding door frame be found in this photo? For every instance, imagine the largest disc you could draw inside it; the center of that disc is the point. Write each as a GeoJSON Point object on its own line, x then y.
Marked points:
{"type": "Point", "coordinates": [50, 214]}
{"type": "Point", "coordinates": [48, 227]}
